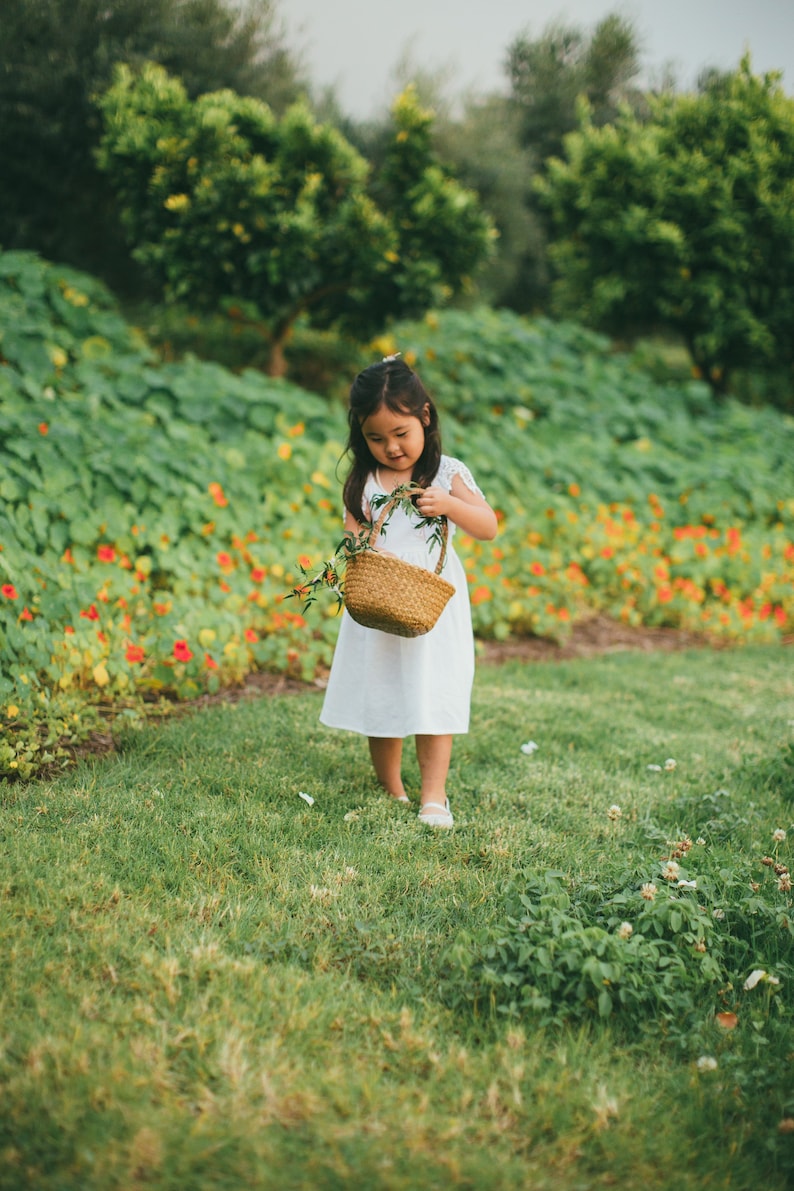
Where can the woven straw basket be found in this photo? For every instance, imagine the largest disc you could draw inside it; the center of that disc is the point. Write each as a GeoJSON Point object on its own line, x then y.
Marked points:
{"type": "Point", "coordinates": [382, 592]}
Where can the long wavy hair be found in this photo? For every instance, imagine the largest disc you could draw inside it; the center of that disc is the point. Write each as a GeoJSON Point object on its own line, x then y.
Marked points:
{"type": "Point", "coordinates": [393, 384]}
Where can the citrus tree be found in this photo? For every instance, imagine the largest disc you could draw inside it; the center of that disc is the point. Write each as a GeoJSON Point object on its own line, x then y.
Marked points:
{"type": "Point", "coordinates": [684, 221]}
{"type": "Point", "coordinates": [225, 201]}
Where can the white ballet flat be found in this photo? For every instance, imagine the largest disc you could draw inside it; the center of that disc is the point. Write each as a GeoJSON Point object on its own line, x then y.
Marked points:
{"type": "Point", "coordinates": [433, 814]}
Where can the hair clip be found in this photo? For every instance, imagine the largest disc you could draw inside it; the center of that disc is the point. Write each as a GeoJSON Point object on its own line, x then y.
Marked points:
{"type": "Point", "coordinates": [388, 359]}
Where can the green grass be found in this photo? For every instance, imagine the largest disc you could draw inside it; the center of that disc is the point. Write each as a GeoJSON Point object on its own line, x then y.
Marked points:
{"type": "Point", "coordinates": [207, 983]}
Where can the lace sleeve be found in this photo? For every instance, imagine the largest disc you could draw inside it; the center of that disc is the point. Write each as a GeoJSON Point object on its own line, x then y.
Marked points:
{"type": "Point", "coordinates": [449, 468]}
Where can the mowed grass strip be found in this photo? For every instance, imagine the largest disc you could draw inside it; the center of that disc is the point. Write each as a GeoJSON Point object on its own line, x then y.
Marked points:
{"type": "Point", "coordinates": [209, 983]}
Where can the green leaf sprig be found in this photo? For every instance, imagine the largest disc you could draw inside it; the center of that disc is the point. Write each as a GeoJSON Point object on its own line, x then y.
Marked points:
{"type": "Point", "coordinates": [331, 573]}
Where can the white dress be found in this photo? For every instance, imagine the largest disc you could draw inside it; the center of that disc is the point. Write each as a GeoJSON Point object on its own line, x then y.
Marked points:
{"type": "Point", "coordinates": [382, 685]}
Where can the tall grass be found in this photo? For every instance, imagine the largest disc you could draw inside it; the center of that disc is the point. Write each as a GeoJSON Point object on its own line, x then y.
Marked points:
{"type": "Point", "coordinates": [208, 982]}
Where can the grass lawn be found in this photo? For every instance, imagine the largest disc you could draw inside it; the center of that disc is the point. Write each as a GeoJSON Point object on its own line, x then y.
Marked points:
{"type": "Point", "coordinates": [209, 983]}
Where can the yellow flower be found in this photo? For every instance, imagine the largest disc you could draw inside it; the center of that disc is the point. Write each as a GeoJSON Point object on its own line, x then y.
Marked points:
{"type": "Point", "coordinates": [176, 202]}
{"type": "Point", "coordinates": [284, 451]}
{"type": "Point", "coordinates": [13, 711]}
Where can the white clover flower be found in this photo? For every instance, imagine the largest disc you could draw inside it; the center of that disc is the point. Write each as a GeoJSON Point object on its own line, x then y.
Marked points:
{"type": "Point", "coordinates": [669, 763]}
{"type": "Point", "coordinates": [706, 1063]}
{"type": "Point", "coordinates": [784, 883]}
{"type": "Point", "coordinates": [648, 891]}
{"type": "Point", "coordinates": [687, 884]}
{"type": "Point", "coordinates": [625, 930]}
{"type": "Point", "coordinates": [529, 748]}
{"type": "Point", "coordinates": [778, 835]}
{"type": "Point", "coordinates": [655, 768]}
{"type": "Point", "coordinates": [701, 843]}
{"type": "Point", "coordinates": [718, 914]}
{"type": "Point", "coordinates": [671, 871]}
{"type": "Point", "coordinates": [614, 813]}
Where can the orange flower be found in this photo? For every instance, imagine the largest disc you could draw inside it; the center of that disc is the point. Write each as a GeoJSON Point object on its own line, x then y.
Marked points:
{"type": "Point", "coordinates": [251, 636]}
{"type": "Point", "coordinates": [258, 574]}
{"type": "Point", "coordinates": [297, 430]}
{"type": "Point", "coordinates": [210, 662]}
{"type": "Point", "coordinates": [537, 568]}
{"type": "Point", "coordinates": [91, 614]}
{"type": "Point", "coordinates": [284, 451]}
{"type": "Point", "coordinates": [106, 554]}
{"type": "Point", "coordinates": [304, 562]}
{"type": "Point", "coordinates": [182, 651]}
{"type": "Point", "coordinates": [26, 614]}
{"type": "Point", "coordinates": [43, 428]}
{"type": "Point", "coordinates": [607, 551]}
{"type": "Point", "coordinates": [780, 616]}
{"type": "Point", "coordinates": [664, 594]}
{"type": "Point", "coordinates": [134, 653]}
{"type": "Point", "coordinates": [67, 555]}
{"type": "Point", "coordinates": [574, 490]}
{"type": "Point", "coordinates": [69, 631]}
{"type": "Point", "coordinates": [9, 591]}
{"type": "Point", "coordinates": [162, 609]}
{"type": "Point", "coordinates": [224, 561]}
{"type": "Point", "coordinates": [218, 495]}
{"type": "Point", "coordinates": [480, 595]}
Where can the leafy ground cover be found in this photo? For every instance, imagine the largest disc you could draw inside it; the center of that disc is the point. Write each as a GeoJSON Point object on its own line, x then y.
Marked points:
{"type": "Point", "coordinates": [154, 513]}
{"type": "Point", "coordinates": [209, 981]}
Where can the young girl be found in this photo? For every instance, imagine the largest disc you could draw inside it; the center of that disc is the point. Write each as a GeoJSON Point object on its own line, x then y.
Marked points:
{"type": "Point", "coordinates": [389, 687]}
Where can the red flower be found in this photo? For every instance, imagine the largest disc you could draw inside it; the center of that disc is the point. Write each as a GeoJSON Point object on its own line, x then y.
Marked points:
{"type": "Point", "coordinates": [91, 614]}
{"type": "Point", "coordinates": [134, 653]}
{"type": "Point", "coordinates": [43, 428]}
{"type": "Point", "coordinates": [480, 595]}
{"type": "Point", "coordinates": [9, 591]}
{"type": "Point", "coordinates": [537, 568]}
{"type": "Point", "coordinates": [182, 651]}
{"type": "Point", "coordinates": [26, 614]}
{"type": "Point", "coordinates": [258, 574]}
{"type": "Point", "coordinates": [210, 662]}
{"type": "Point", "coordinates": [106, 554]}
{"type": "Point", "coordinates": [67, 555]}
{"type": "Point", "coordinates": [251, 636]}
{"type": "Point", "coordinates": [69, 630]}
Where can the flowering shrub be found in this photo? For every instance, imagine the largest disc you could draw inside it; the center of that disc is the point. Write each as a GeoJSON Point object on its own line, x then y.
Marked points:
{"type": "Point", "coordinates": [154, 514]}
{"type": "Point", "coordinates": [667, 943]}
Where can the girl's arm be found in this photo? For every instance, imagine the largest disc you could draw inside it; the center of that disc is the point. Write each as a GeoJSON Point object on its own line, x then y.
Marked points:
{"type": "Point", "coordinates": [468, 510]}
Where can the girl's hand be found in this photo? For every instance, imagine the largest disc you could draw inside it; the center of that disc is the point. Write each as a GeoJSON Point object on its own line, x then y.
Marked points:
{"type": "Point", "coordinates": [434, 502]}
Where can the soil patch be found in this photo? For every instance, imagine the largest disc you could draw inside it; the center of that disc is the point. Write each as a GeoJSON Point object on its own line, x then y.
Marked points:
{"type": "Point", "coordinates": [596, 635]}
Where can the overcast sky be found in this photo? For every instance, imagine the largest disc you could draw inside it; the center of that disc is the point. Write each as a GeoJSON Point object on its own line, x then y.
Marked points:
{"type": "Point", "coordinates": [355, 45]}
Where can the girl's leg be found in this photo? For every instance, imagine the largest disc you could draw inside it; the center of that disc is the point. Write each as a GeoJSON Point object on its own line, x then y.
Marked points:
{"type": "Point", "coordinates": [387, 753]}
{"type": "Point", "coordinates": [434, 754]}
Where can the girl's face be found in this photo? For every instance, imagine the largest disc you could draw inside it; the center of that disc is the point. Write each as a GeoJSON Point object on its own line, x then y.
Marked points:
{"type": "Point", "coordinates": [396, 439]}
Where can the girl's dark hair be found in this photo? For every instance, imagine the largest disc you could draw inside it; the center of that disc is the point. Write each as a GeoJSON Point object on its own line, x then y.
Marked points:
{"type": "Point", "coordinates": [393, 384]}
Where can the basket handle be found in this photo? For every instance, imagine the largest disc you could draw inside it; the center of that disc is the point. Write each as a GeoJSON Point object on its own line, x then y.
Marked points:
{"type": "Point", "coordinates": [388, 505]}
